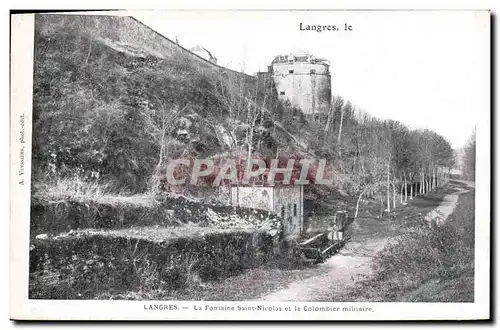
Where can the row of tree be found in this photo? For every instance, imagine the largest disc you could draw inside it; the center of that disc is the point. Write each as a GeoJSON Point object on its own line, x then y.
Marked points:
{"type": "Point", "coordinates": [384, 159]}
{"type": "Point", "coordinates": [468, 158]}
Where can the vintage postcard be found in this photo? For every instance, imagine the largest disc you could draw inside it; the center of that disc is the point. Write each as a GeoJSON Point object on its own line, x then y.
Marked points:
{"type": "Point", "coordinates": [250, 165]}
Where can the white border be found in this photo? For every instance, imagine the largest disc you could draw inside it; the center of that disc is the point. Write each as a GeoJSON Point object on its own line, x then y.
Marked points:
{"type": "Point", "coordinates": [21, 103]}
{"type": "Point", "coordinates": [21, 80]}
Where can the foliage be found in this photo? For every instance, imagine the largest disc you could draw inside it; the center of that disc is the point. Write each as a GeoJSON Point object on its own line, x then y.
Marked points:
{"type": "Point", "coordinates": [83, 265]}
{"type": "Point", "coordinates": [437, 254]}
{"type": "Point", "coordinates": [56, 213]}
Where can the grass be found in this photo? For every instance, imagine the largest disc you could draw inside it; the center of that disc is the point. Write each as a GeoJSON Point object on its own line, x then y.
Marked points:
{"type": "Point", "coordinates": [155, 234]}
{"type": "Point", "coordinates": [250, 285]}
{"type": "Point", "coordinates": [456, 281]}
{"type": "Point", "coordinates": [83, 190]}
{"type": "Point", "coordinates": [81, 231]}
{"type": "Point", "coordinates": [426, 264]}
{"type": "Point", "coordinates": [83, 264]}
{"type": "Point", "coordinates": [93, 190]}
{"type": "Point", "coordinates": [75, 204]}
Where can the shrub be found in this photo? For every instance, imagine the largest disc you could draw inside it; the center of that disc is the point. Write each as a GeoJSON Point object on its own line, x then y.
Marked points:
{"type": "Point", "coordinates": [81, 266]}
{"type": "Point", "coordinates": [444, 254]}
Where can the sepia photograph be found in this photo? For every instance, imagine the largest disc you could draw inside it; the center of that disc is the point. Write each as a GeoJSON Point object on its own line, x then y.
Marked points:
{"type": "Point", "coordinates": [265, 164]}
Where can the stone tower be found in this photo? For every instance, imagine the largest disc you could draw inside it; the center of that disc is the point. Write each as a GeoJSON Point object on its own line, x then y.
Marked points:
{"type": "Point", "coordinates": [304, 80]}
{"type": "Point", "coordinates": [205, 53]}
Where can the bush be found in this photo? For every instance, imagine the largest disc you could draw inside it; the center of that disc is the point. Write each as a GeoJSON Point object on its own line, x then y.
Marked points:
{"type": "Point", "coordinates": [81, 266]}
{"type": "Point", "coordinates": [55, 213]}
{"type": "Point", "coordinates": [443, 254]}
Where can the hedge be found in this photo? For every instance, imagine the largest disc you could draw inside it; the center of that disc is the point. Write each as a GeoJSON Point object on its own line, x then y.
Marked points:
{"type": "Point", "coordinates": [53, 217]}
{"type": "Point", "coordinates": [82, 265]}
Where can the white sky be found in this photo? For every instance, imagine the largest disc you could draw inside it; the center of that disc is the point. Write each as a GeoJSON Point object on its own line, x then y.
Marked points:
{"type": "Point", "coordinates": [425, 69]}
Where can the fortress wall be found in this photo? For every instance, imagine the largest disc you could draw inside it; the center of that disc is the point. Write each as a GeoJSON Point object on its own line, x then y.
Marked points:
{"type": "Point", "coordinates": [310, 92]}
{"type": "Point", "coordinates": [129, 35]}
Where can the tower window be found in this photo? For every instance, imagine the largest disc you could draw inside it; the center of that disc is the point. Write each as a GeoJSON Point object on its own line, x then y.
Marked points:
{"type": "Point", "coordinates": [295, 209]}
{"type": "Point", "coordinates": [282, 93]}
{"type": "Point", "coordinates": [283, 211]}
{"type": "Point", "coordinates": [290, 71]}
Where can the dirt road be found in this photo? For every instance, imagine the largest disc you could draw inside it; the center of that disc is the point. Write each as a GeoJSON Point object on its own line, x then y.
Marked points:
{"type": "Point", "coordinates": [448, 205]}
{"type": "Point", "coordinates": [338, 274]}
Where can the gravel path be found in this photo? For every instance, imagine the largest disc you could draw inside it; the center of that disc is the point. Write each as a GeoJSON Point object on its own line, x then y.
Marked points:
{"type": "Point", "coordinates": [447, 206]}
{"type": "Point", "coordinates": [349, 265]}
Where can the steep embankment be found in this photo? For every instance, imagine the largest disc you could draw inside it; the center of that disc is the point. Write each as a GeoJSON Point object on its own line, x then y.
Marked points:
{"type": "Point", "coordinates": [111, 95]}
{"type": "Point", "coordinates": [81, 249]}
{"type": "Point", "coordinates": [113, 100]}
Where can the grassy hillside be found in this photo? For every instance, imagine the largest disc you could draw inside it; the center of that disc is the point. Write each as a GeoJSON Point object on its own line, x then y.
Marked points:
{"type": "Point", "coordinates": [109, 92]}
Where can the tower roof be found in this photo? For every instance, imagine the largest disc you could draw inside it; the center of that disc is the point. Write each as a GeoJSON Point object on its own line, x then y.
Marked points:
{"type": "Point", "coordinates": [202, 51]}
{"type": "Point", "coordinates": [299, 55]}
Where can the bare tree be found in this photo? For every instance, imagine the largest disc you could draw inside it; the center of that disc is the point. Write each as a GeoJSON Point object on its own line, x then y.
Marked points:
{"type": "Point", "coordinates": [469, 158]}
{"type": "Point", "coordinates": [342, 111]}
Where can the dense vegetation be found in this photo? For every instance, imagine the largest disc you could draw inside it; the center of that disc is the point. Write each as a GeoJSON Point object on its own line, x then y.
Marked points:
{"type": "Point", "coordinates": [82, 265]}
{"type": "Point", "coordinates": [110, 116]}
{"type": "Point", "coordinates": [428, 264]}
{"type": "Point", "coordinates": [101, 113]}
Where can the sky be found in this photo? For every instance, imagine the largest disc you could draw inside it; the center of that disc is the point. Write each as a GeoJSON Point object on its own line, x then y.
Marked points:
{"type": "Point", "coordinates": [427, 69]}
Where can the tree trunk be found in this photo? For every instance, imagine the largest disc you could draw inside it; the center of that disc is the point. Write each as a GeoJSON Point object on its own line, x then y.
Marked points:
{"type": "Point", "coordinates": [388, 188]}
{"type": "Point", "coordinates": [328, 121]}
{"type": "Point", "coordinates": [381, 206]}
{"type": "Point", "coordinates": [401, 188]}
{"type": "Point", "coordinates": [406, 190]}
{"type": "Point", "coordinates": [90, 48]}
{"type": "Point", "coordinates": [340, 128]}
{"type": "Point", "coordinates": [357, 204]}
{"type": "Point", "coordinates": [394, 193]}
{"type": "Point", "coordinates": [162, 143]}
{"type": "Point", "coordinates": [431, 178]}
